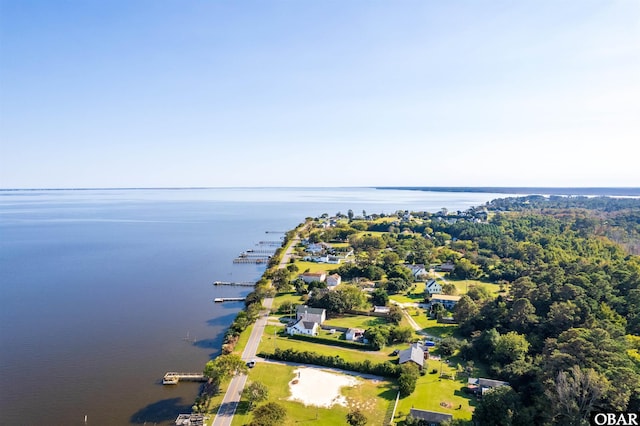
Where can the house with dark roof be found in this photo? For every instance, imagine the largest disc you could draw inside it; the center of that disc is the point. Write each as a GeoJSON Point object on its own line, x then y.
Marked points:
{"type": "Point", "coordinates": [306, 313]}
{"type": "Point", "coordinates": [433, 287]}
{"type": "Point", "coordinates": [415, 353]}
{"type": "Point", "coordinates": [431, 418]}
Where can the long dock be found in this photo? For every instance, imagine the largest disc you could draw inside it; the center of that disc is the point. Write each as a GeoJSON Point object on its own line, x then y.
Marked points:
{"type": "Point", "coordinates": [251, 260]}
{"type": "Point", "coordinates": [237, 284]}
{"type": "Point", "coordinates": [270, 243]}
{"type": "Point", "coordinates": [172, 378]}
{"type": "Point", "coordinates": [228, 299]}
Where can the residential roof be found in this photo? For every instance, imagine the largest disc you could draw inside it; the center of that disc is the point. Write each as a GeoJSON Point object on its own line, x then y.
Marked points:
{"type": "Point", "coordinates": [430, 416]}
{"type": "Point", "coordinates": [308, 325]}
{"type": "Point", "coordinates": [486, 383]}
{"type": "Point", "coordinates": [415, 353]}
{"type": "Point", "coordinates": [301, 309]}
{"type": "Point", "coordinates": [446, 297]}
{"type": "Point", "coordinates": [314, 274]}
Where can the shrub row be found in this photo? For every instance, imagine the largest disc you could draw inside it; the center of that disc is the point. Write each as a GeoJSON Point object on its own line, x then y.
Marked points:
{"type": "Point", "coordinates": [385, 369]}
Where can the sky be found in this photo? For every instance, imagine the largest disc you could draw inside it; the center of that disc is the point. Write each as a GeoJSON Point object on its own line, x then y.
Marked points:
{"type": "Point", "coordinates": [189, 93]}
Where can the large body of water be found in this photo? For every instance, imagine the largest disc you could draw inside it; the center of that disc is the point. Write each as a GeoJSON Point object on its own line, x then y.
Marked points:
{"type": "Point", "coordinates": [101, 288]}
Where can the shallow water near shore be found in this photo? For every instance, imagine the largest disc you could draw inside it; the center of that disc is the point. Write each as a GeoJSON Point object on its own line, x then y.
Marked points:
{"type": "Point", "coordinates": [103, 291]}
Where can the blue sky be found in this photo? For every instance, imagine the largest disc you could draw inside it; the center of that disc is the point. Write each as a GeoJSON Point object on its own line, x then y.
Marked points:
{"type": "Point", "coordinates": [319, 93]}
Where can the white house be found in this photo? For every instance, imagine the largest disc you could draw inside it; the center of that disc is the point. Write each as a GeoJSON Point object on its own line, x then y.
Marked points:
{"type": "Point", "coordinates": [354, 334]}
{"type": "Point", "coordinates": [309, 277]}
{"type": "Point", "coordinates": [309, 328]}
{"type": "Point", "coordinates": [381, 309]}
{"type": "Point", "coordinates": [433, 287]}
{"type": "Point", "coordinates": [417, 271]}
{"type": "Point", "coordinates": [333, 280]}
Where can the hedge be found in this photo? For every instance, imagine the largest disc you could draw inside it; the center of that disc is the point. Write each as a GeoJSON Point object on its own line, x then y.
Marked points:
{"type": "Point", "coordinates": [385, 369]}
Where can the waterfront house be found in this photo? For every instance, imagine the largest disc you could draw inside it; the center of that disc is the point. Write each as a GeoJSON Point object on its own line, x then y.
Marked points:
{"type": "Point", "coordinates": [433, 287]}
{"type": "Point", "coordinates": [415, 354]}
{"type": "Point", "coordinates": [305, 313]}
{"type": "Point", "coordinates": [448, 301]}
{"type": "Point", "coordinates": [333, 280]}
{"type": "Point", "coordinates": [309, 277]}
{"type": "Point", "coordinates": [430, 418]}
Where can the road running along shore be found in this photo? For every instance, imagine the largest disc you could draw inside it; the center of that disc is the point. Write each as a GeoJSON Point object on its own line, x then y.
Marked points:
{"type": "Point", "coordinates": [231, 399]}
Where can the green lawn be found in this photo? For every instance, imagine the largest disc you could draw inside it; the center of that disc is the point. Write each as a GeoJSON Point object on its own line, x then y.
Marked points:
{"type": "Point", "coordinates": [314, 266]}
{"type": "Point", "coordinates": [373, 397]}
{"type": "Point", "coordinates": [414, 295]}
{"type": "Point", "coordinates": [356, 321]}
{"type": "Point", "coordinates": [438, 394]}
{"type": "Point", "coordinates": [463, 285]}
{"type": "Point", "coordinates": [432, 327]}
{"type": "Point", "coordinates": [271, 339]}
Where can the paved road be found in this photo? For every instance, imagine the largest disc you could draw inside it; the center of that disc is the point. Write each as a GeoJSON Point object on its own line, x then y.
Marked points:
{"type": "Point", "coordinates": [231, 398]}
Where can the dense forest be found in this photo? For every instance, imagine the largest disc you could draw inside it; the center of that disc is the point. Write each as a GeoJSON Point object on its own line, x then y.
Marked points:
{"type": "Point", "coordinates": [565, 330]}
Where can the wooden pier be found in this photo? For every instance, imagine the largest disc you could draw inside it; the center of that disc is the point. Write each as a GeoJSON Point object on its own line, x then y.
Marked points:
{"type": "Point", "coordinates": [239, 284]}
{"type": "Point", "coordinates": [251, 260]}
{"type": "Point", "coordinates": [254, 254]}
{"type": "Point", "coordinates": [270, 243]}
{"type": "Point", "coordinates": [261, 251]}
{"type": "Point", "coordinates": [172, 378]}
{"type": "Point", "coordinates": [228, 299]}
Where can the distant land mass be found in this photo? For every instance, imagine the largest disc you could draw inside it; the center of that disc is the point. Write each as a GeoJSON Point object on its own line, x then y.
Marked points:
{"type": "Point", "coordinates": [594, 191]}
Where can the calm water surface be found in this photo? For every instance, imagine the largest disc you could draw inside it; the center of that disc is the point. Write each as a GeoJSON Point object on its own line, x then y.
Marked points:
{"type": "Point", "coordinates": [103, 291]}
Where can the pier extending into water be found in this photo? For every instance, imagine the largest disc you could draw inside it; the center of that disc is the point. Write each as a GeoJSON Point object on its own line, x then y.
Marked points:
{"type": "Point", "coordinates": [237, 284]}
{"type": "Point", "coordinates": [251, 260]}
{"type": "Point", "coordinates": [270, 243]}
{"type": "Point", "coordinates": [228, 299]}
{"type": "Point", "coordinates": [172, 378]}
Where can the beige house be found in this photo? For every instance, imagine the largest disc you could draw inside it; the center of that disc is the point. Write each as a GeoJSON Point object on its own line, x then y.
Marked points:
{"type": "Point", "coordinates": [309, 277]}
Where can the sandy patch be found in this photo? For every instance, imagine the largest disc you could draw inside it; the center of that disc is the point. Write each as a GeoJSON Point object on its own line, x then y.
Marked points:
{"type": "Point", "coordinates": [319, 388]}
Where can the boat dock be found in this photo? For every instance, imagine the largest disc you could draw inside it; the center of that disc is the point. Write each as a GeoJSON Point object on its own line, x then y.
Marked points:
{"type": "Point", "coordinates": [228, 299]}
{"type": "Point", "coordinates": [251, 260]}
{"type": "Point", "coordinates": [239, 284]}
{"type": "Point", "coordinates": [261, 251]}
{"type": "Point", "coordinates": [270, 243]}
{"type": "Point", "coordinates": [172, 378]}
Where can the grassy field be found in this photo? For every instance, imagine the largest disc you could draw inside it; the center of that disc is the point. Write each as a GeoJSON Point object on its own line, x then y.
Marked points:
{"type": "Point", "coordinates": [356, 321]}
{"type": "Point", "coordinates": [314, 266]}
{"type": "Point", "coordinates": [372, 397]}
{"type": "Point", "coordinates": [415, 295]}
{"type": "Point", "coordinates": [271, 340]}
{"type": "Point", "coordinates": [438, 394]}
{"type": "Point", "coordinates": [463, 285]}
